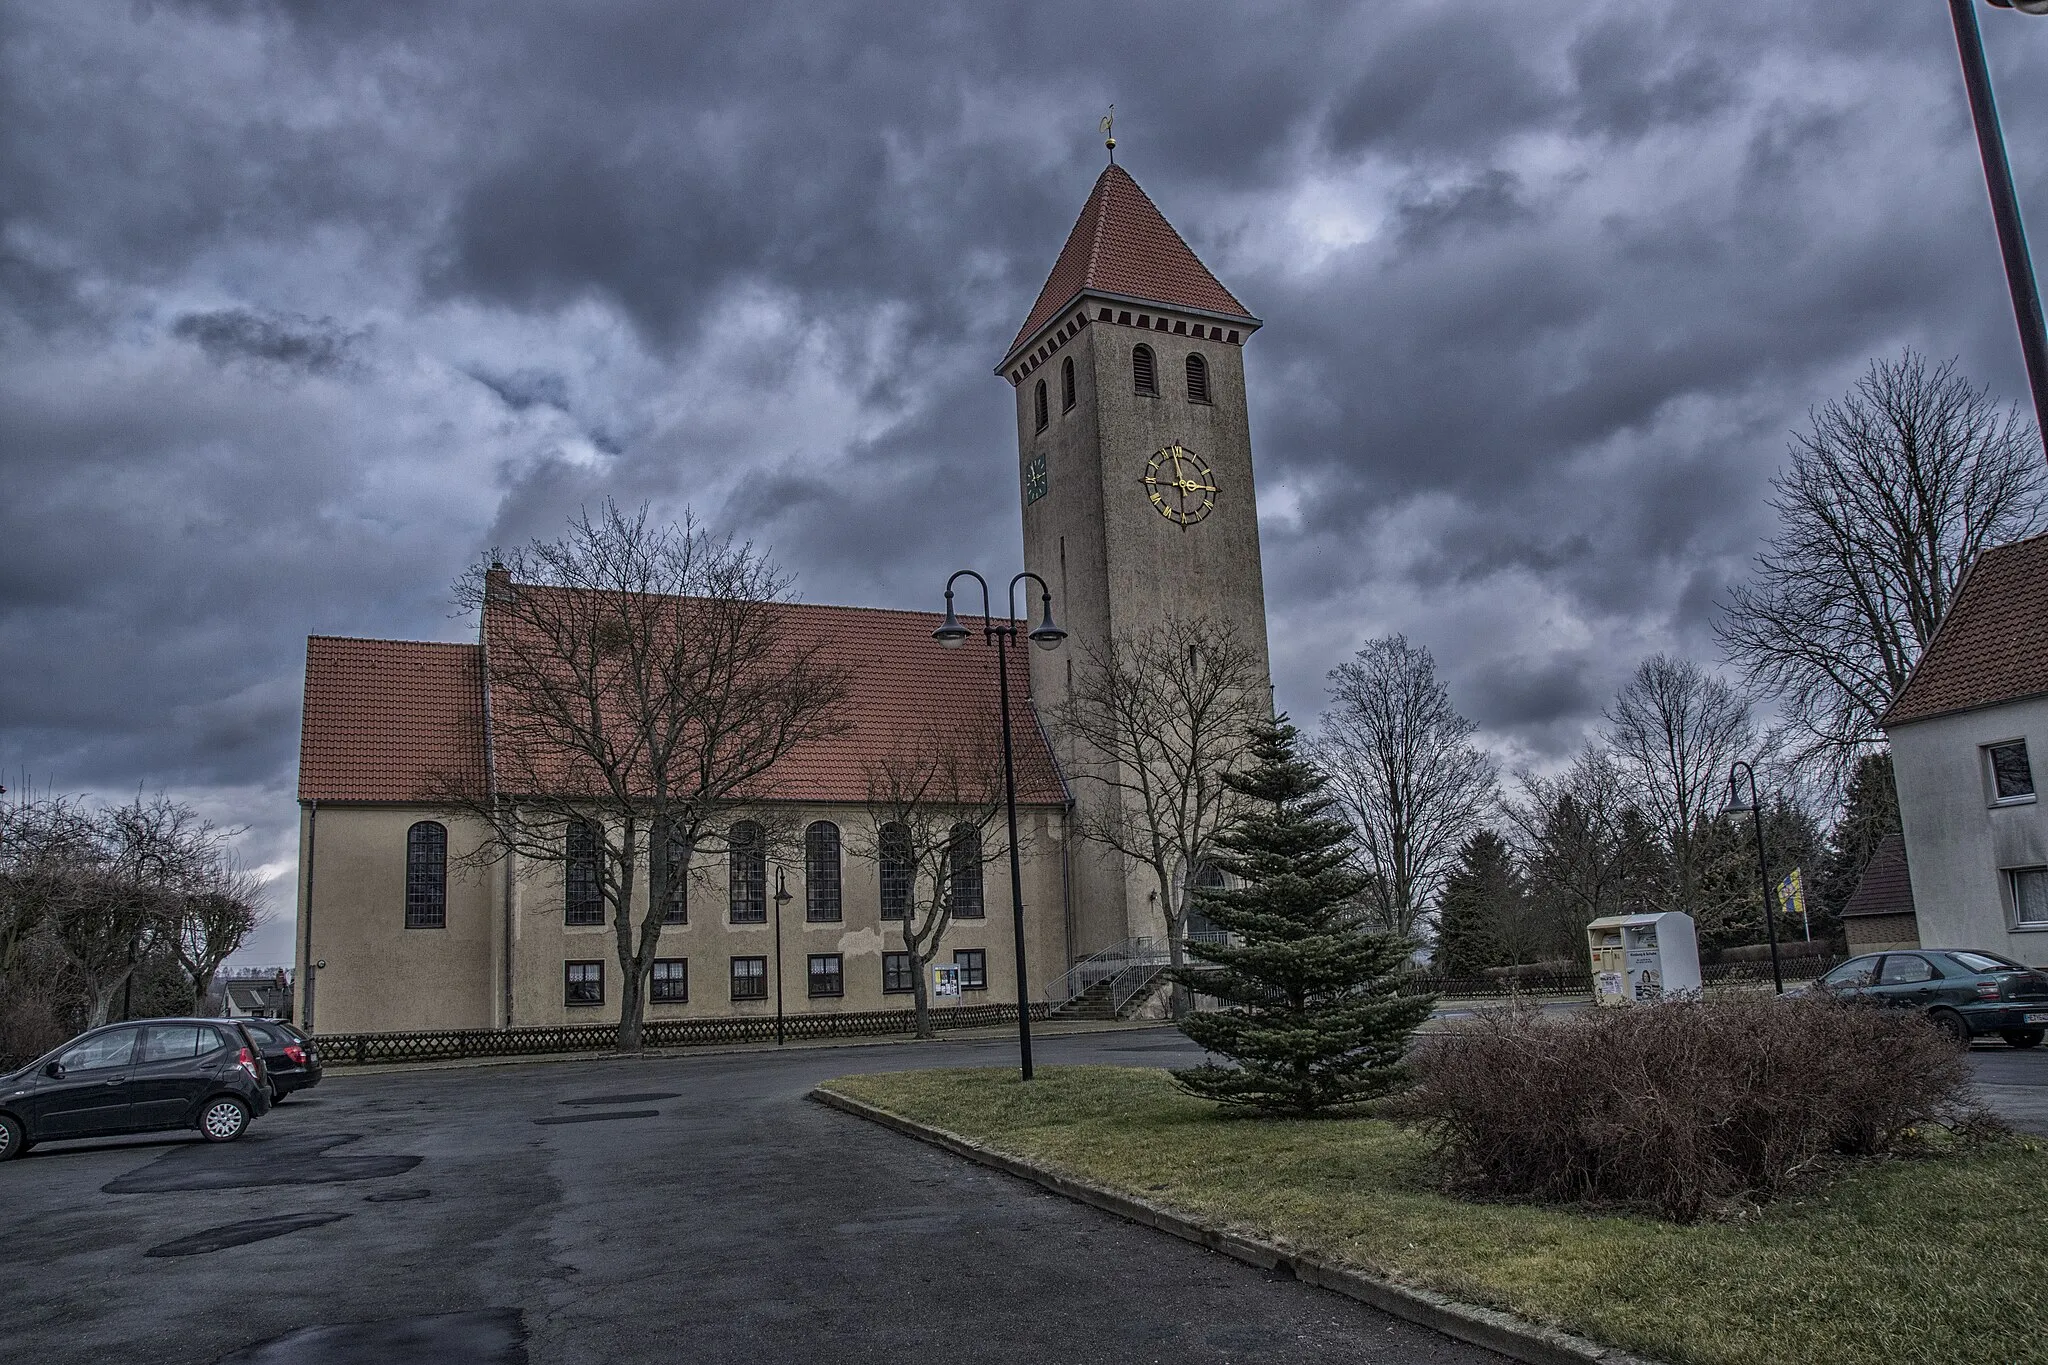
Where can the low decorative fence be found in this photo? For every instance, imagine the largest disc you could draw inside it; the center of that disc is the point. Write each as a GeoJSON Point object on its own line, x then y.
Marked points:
{"type": "Point", "coordinates": [364, 1049]}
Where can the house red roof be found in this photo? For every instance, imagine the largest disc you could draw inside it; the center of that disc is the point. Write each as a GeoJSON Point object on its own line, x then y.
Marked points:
{"type": "Point", "coordinates": [389, 720]}
{"type": "Point", "coordinates": [385, 718]}
{"type": "Point", "coordinates": [1992, 646]}
{"type": "Point", "coordinates": [1886, 887]}
{"type": "Point", "coordinates": [1123, 245]}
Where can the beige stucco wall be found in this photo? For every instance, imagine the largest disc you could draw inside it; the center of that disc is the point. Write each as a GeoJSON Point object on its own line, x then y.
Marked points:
{"type": "Point", "coordinates": [381, 976]}
{"type": "Point", "coordinates": [1958, 842]}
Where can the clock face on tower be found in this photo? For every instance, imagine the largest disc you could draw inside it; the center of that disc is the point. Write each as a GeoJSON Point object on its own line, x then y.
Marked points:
{"type": "Point", "coordinates": [1180, 485]}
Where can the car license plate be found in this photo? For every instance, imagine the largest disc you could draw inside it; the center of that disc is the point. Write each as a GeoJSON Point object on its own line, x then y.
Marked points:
{"type": "Point", "coordinates": [2034, 1018]}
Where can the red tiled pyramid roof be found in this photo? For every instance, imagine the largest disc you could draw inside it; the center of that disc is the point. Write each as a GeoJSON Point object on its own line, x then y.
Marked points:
{"type": "Point", "coordinates": [1886, 887]}
{"type": "Point", "coordinates": [1123, 245]}
{"type": "Point", "coordinates": [388, 720]}
{"type": "Point", "coordinates": [385, 719]}
{"type": "Point", "coordinates": [1992, 646]}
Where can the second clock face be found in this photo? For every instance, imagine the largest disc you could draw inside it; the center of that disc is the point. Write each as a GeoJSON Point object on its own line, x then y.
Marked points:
{"type": "Point", "coordinates": [1180, 485]}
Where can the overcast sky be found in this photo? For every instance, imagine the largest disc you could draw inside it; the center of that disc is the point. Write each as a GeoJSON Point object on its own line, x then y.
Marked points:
{"type": "Point", "coordinates": [302, 307]}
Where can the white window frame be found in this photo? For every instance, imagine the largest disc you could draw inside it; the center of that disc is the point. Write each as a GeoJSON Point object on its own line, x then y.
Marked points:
{"type": "Point", "coordinates": [2011, 877]}
{"type": "Point", "coordinates": [1990, 772]}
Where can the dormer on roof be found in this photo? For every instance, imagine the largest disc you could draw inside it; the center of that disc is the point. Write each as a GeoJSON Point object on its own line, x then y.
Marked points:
{"type": "Point", "coordinates": [1122, 251]}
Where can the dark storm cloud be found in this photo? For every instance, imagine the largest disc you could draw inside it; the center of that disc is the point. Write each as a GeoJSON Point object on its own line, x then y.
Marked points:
{"type": "Point", "coordinates": [304, 307]}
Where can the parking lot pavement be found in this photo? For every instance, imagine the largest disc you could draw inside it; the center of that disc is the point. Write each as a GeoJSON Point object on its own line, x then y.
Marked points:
{"type": "Point", "coordinates": [680, 1209]}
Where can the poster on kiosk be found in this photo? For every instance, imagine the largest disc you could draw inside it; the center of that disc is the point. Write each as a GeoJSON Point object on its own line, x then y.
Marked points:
{"type": "Point", "coordinates": [1641, 959]}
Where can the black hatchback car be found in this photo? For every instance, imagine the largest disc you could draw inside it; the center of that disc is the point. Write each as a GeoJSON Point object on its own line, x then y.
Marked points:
{"type": "Point", "coordinates": [137, 1078]}
{"type": "Point", "coordinates": [289, 1055]}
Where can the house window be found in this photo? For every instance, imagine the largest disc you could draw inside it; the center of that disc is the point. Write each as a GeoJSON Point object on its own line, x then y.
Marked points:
{"type": "Point", "coordinates": [963, 865]}
{"type": "Point", "coordinates": [821, 873]}
{"type": "Point", "coordinates": [2028, 892]}
{"type": "Point", "coordinates": [426, 876]}
{"type": "Point", "coordinates": [828, 975]}
{"type": "Point", "coordinates": [1067, 384]}
{"type": "Point", "coordinates": [1145, 372]}
{"type": "Point", "coordinates": [675, 904]}
{"type": "Point", "coordinates": [671, 982]}
{"type": "Point", "coordinates": [897, 870]}
{"type": "Point", "coordinates": [1198, 379]}
{"type": "Point", "coordinates": [973, 965]}
{"type": "Point", "coordinates": [750, 978]}
{"type": "Point", "coordinates": [2012, 777]}
{"type": "Point", "coordinates": [747, 874]}
{"type": "Point", "coordinates": [1038, 405]}
{"type": "Point", "coordinates": [899, 977]}
{"type": "Point", "coordinates": [583, 902]}
{"type": "Point", "coordinates": [583, 983]}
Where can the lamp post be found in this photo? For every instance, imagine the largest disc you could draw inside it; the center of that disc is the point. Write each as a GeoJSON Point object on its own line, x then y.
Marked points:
{"type": "Point", "coordinates": [1046, 635]}
{"type": "Point", "coordinates": [2005, 205]}
{"type": "Point", "coordinates": [781, 895]}
{"type": "Point", "coordinates": [1736, 806]}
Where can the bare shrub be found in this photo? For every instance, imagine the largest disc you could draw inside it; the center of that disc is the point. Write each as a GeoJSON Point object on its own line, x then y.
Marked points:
{"type": "Point", "coordinates": [1686, 1109]}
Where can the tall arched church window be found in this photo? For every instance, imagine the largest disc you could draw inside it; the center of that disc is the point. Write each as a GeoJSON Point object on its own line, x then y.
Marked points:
{"type": "Point", "coordinates": [746, 861]}
{"type": "Point", "coordinates": [1067, 384]}
{"type": "Point", "coordinates": [963, 869]}
{"type": "Point", "coordinates": [582, 895]}
{"type": "Point", "coordinates": [675, 902]}
{"type": "Point", "coordinates": [821, 872]}
{"type": "Point", "coordinates": [1038, 405]}
{"type": "Point", "coordinates": [426, 876]}
{"type": "Point", "coordinates": [1145, 371]}
{"type": "Point", "coordinates": [1198, 379]}
{"type": "Point", "coordinates": [897, 870]}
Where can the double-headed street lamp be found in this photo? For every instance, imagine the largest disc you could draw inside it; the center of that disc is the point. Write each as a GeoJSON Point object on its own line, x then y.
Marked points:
{"type": "Point", "coordinates": [2005, 205]}
{"type": "Point", "coordinates": [1738, 803]}
{"type": "Point", "coordinates": [1046, 635]}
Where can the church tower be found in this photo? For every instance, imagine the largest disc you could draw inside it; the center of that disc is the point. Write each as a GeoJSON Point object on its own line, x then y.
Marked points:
{"type": "Point", "coordinates": [1135, 466]}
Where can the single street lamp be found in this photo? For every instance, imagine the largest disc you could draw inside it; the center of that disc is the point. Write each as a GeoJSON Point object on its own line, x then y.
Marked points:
{"type": "Point", "coordinates": [2005, 205]}
{"type": "Point", "coordinates": [781, 895]}
{"type": "Point", "coordinates": [1046, 635]}
{"type": "Point", "coordinates": [1737, 804]}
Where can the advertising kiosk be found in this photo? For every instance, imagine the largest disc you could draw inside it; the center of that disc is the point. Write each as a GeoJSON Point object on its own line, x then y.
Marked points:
{"type": "Point", "coordinates": [1641, 959]}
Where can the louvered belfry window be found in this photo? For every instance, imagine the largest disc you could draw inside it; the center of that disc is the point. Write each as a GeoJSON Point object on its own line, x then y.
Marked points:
{"type": "Point", "coordinates": [1038, 405]}
{"type": "Point", "coordinates": [1198, 379]}
{"type": "Point", "coordinates": [1067, 384]}
{"type": "Point", "coordinates": [1145, 371]}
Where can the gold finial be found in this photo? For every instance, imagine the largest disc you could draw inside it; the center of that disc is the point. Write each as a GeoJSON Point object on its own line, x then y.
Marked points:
{"type": "Point", "coordinates": [1109, 127]}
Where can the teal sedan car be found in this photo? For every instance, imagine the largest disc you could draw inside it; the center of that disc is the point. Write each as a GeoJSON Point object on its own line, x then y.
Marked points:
{"type": "Point", "coordinates": [1966, 991]}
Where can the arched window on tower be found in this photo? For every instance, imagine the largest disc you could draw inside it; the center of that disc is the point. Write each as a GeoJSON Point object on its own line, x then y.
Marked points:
{"type": "Point", "coordinates": [821, 872]}
{"type": "Point", "coordinates": [1038, 405]}
{"type": "Point", "coordinates": [1067, 384]}
{"type": "Point", "coordinates": [1145, 371]}
{"type": "Point", "coordinates": [426, 876]}
{"type": "Point", "coordinates": [1198, 379]}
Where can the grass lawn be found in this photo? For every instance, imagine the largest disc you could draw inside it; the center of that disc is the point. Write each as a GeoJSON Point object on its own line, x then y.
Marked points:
{"type": "Point", "coordinates": [1936, 1260]}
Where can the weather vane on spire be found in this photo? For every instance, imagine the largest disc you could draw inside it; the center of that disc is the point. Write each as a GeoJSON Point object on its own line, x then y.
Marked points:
{"type": "Point", "coordinates": [1109, 127]}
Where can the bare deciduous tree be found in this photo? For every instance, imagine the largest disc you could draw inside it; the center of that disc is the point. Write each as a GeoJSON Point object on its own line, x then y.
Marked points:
{"type": "Point", "coordinates": [1674, 729]}
{"type": "Point", "coordinates": [1165, 713]}
{"type": "Point", "coordinates": [642, 686]}
{"type": "Point", "coordinates": [1587, 849]}
{"type": "Point", "coordinates": [208, 922]}
{"type": "Point", "coordinates": [1403, 766]}
{"type": "Point", "coordinates": [935, 823]}
{"type": "Point", "coordinates": [1891, 496]}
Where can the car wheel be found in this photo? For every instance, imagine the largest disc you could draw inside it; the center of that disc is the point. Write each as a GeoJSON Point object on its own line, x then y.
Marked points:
{"type": "Point", "coordinates": [1953, 1024]}
{"type": "Point", "coordinates": [2023, 1037]}
{"type": "Point", "coordinates": [224, 1119]}
{"type": "Point", "coordinates": [13, 1139]}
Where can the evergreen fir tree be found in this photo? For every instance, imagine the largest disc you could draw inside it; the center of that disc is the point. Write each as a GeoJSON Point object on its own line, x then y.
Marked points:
{"type": "Point", "coordinates": [1870, 812]}
{"type": "Point", "coordinates": [1480, 901]}
{"type": "Point", "coordinates": [1312, 1021]}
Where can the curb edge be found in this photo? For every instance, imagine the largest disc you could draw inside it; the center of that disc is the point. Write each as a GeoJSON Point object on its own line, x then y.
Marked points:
{"type": "Point", "coordinates": [1490, 1328]}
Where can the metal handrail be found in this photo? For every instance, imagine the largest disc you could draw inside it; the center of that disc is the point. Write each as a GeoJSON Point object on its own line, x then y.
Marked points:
{"type": "Point", "coordinates": [1132, 955]}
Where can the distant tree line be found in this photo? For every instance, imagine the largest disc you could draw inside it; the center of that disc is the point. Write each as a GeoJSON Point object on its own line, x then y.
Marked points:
{"type": "Point", "coordinates": [112, 911]}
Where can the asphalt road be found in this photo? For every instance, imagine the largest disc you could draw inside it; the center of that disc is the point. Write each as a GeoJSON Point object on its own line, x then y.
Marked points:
{"type": "Point", "coordinates": [506, 1214]}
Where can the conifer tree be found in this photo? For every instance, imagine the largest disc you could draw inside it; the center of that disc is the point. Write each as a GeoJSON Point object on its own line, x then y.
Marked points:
{"type": "Point", "coordinates": [1479, 900]}
{"type": "Point", "coordinates": [1311, 1018]}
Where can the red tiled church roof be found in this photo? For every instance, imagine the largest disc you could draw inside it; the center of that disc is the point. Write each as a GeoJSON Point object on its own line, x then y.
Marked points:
{"type": "Point", "coordinates": [1123, 245]}
{"type": "Point", "coordinates": [1886, 887]}
{"type": "Point", "coordinates": [389, 720]}
{"type": "Point", "coordinates": [384, 719]}
{"type": "Point", "coordinates": [1992, 646]}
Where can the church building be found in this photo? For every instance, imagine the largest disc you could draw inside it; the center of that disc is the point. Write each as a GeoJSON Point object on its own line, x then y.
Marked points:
{"type": "Point", "coordinates": [1136, 495]}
